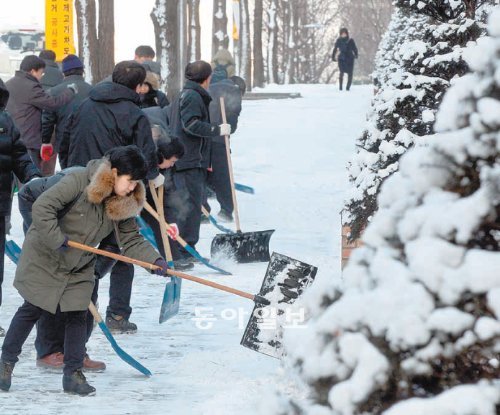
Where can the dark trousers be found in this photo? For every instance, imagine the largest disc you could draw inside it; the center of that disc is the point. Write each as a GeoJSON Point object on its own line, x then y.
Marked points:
{"type": "Point", "coordinates": [349, 79]}
{"type": "Point", "coordinates": [120, 287]}
{"type": "Point", "coordinates": [26, 317]}
{"type": "Point", "coordinates": [218, 179]}
{"type": "Point", "coordinates": [47, 168]}
{"type": "Point", "coordinates": [2, 251]}
{"type": "Point", "coordinates": [51, 330]}
{"type": "Point", "coordinates": [192, 184]}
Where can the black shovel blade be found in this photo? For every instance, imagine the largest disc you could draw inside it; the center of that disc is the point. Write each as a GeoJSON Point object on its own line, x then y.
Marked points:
{"type": "Point", "coordinates": [244, 247]}
{"type": "Point", "coordinates": [285, 280]}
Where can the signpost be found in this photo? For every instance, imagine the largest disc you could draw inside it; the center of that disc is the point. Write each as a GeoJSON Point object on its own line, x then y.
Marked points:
{"type": "Point", "coordinates": [59, 27]}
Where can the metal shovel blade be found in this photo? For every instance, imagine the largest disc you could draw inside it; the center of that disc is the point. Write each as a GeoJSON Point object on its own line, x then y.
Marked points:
{"type": "Point", "coordinates": [171, 300]}
{"type": "Point", "coordinates": [244, 247]}
{"type": "Point", "coordinates": [285, 280]}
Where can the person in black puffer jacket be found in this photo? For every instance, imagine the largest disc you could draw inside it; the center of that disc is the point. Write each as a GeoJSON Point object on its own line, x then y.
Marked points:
{"type": "Point", "coordinates": [14, 159]}
{"type": "Point", "coordinates": [190, 123]}
{"type": "Point", "coordinates": [348, 51]}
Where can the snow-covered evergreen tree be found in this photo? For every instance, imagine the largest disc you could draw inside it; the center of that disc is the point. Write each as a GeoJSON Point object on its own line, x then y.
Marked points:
{"type": "Point", "coordinates": [415, 327]}
{"type": "Point", "coordinates": [419, 57]}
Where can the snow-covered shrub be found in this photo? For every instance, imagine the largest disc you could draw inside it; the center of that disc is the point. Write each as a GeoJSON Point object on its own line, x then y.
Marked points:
{"type": "Point", "coordinates": [419, 57]}
{"type": "Point", "coordinates": [415, 327]}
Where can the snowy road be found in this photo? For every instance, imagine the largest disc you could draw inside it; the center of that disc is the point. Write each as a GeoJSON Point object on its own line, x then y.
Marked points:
{"type": "Point", "coordinates": [294, 153]}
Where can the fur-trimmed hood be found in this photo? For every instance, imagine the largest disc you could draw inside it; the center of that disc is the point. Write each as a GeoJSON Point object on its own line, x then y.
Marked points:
{"type": "Point", "coordinates": [100, 190]}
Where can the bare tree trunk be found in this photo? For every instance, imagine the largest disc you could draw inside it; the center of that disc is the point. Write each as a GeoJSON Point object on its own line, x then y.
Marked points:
{"type": "Point", "coordinates": [194, 31]}
{"type": "Point", "coordinates": [271, 54]}
{"type": "Point", "coordinates": [258, 57]}
{"type": "Point", "coordinates": [106, 39]}
{"type": "Point", "coordinates": [166, 22]}
{"type": "Point", "coordinates": [220, 39]}
{"type": "Point", "coordinates": [245, 45]}
{"type": "Point", "coordinates": [87, 37]}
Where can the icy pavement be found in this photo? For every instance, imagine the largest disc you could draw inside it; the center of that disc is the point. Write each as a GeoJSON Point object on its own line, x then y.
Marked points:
{"type": "Point", "coordinates": [294, 153]}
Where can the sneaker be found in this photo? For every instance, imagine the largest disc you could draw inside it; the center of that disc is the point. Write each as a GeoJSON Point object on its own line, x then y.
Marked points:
{"type": "Point", "coordinates": [183, 264]}
{"type": "Point", "coordinates": [51, 361]}
{"type": "Point", "coordinates": [5, 375]}
{"type": "Point", "coordinates": [2, 332]}
{"type": "Point", "coordinates": [119, 324]}
{"type": "Point", "coordinates": [225, 216]}
{"type": "Point", "coordinates": [76, 383]}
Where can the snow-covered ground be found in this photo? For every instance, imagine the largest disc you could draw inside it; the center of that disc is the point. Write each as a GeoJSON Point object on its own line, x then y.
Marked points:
{"type": "Point", "coordinates": [294, 153]}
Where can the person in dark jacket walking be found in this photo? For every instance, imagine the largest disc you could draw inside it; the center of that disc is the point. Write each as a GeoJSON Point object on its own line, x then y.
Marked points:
{"type": "Point", "coordinates": [52, 276]}
{"type": "Point", "coordinates": [110, 117]}
{"type": "Point", "coordinates": [150, 93]}
{"type": "Point", "coordinates": [218, 175]}
{"type": "Point", "coordinates": [14, 159]}
{"type": "Point", "coordinates": [190, 123]}
{"type": "Point", "coordinates": [348, 51]}
{"type": "Point", "coordinates": [52, 75]}
{"type": "Point", "coordinates": [58, 119]}
{"type": "Point", "coordinates": [26, 102]}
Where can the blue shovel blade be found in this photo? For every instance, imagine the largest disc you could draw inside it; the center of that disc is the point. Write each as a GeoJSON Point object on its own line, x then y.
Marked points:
{"type": "Point", "coordinates": [121, 353]}
{"type": "Point", "coordinates": [13, 251]}
{"type": "Point", "coordinates": [245, 189]}
{"type": "Point", "coordinates": [171, 300]}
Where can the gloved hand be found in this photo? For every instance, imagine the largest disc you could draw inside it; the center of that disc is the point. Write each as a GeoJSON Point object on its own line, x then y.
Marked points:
{"type": "Point", "coordinates": [73, 87]}
{"type": "Point", "coordinates": [173, 231]}
{"type": "Point", "coordinates": [46, 152]}
{"type": "Point", "coordinates": [225, 129]}
{"type": "Point", "coordinates": [162, 271]}
{"type": "Point", "coordinates": [158, 181]}
{"type": "Point", "coordinates": [64, 246]}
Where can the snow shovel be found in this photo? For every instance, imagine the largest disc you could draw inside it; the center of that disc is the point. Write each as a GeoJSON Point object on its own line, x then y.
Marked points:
{"type": "Point", "coordinates": [214, 222]}
{"type": "Point", "coordinates": [244, 189]}
{"type": "Point", "coordinates": [122, 354]}
{"type": "Point", "coordinates": [13, 251]}
{"type": "Point", "coordinates": [193, 252]}
{"type": "Point", "coordinates": [172, 294]}
{"type": "Point", "coordinates": [16, 252]}
{"type": "Point", "coordinates": [244, 247]}
{"type": "Point", "coordinates": [284, 282]}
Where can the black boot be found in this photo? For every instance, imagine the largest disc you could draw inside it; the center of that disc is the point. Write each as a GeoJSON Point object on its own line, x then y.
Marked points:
{"type": "Point", "coordinates": [119, 324]}
{"type": "Point", "coordinates": [76, 383]}
{"type": "Point", "coordinates": [2, 332]}
{"type": "Point", "coordinates": [5, 375]}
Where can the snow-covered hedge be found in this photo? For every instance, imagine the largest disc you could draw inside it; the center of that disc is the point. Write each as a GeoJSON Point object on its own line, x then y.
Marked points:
{"type": "Point", "coordinates": [415, 327]}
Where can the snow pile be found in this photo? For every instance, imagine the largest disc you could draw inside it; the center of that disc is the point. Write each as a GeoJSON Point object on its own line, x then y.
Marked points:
{"type": "Point", "coordinates": [415, 328]}
{"type": "Point", "coordinates": [418, 58]}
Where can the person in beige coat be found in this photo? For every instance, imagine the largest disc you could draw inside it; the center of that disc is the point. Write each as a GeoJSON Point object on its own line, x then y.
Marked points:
{"type": "Point", "coordinates": [85, 206]}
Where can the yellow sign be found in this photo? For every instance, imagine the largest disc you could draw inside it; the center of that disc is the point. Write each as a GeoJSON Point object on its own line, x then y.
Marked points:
{"type": "Point", "coordinates": [59, 27]}
{"type": "Point", "coordinates": [236, 20]}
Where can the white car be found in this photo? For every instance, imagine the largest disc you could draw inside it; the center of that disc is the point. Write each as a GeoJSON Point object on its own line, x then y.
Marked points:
{"type": "Point", "coordinates": [15, 45]}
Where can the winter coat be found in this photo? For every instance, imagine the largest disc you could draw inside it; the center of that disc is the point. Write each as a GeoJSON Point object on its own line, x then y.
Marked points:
{"type": "Point", "coordinates": [223, 58]}
{"type": "Point", "coordinates": [232, 101]}
{"type": "Point", "coordinates": [159, 117]}
{"type": "Point", "coordinates": [14, 157]}
{"type": "Point", "coordinates": [190, 123]}
{"type": "Point", "coordinates": [347, 53]}
{"type": "Point", "coordinates": [52, 75]}
{"type": "Point", "coordinates": [48, 275]}
{"type": "Point", "coordinates": [60, 117]}
{"type": "Point", "coordinates": [155, 97]}
{"type": "Point", "coordinates": [108, 118]}
{"type": "Point", "coordinates": [26, 102]}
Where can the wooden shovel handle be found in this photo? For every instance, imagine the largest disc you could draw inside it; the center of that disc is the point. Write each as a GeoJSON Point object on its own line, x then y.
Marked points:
{"type": "Point", "coordinates": [95, 313]}
{"type": "Point", "coordinates": [155, 215]}
{"type": "Point", "coordinates": [153, 267]}
{"type": "Point", "coordinates": [230, 168]}
{"type": "Point", "coordinates": [158, 199]}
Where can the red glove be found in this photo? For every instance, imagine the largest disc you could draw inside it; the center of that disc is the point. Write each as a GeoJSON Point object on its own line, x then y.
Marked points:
{"type": "Point", "coordinates": [173, 231]}
{"type": "Point", "coordinates": [46, 152]}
